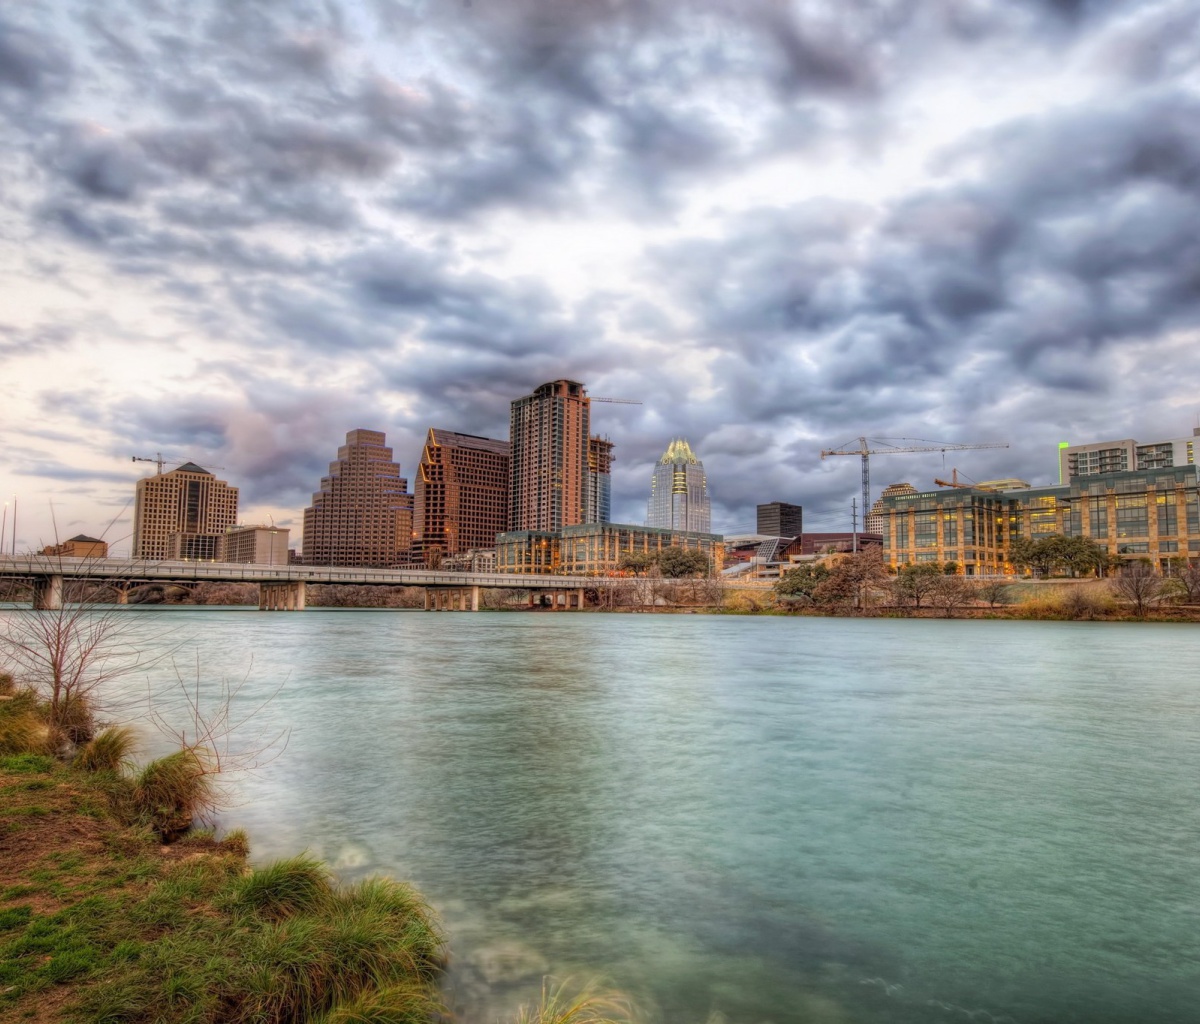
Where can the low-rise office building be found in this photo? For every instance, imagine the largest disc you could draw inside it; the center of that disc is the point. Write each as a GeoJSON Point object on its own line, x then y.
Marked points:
{"type": "Point", "coordinates": [595, 549]}
{"type": "Point", "coordinates": [1149, 514]}
{"type": "Point", "coordinates": [80, 546]}
{"type": "Point", "coordinates": [254, 545]}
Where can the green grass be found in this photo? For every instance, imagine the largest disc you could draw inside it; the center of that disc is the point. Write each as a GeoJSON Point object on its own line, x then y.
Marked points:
{"type": "Point", "coordinates": [133, 936]}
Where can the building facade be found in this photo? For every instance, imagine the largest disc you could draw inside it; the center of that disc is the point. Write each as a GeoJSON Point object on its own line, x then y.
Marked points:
{"type": "Point", "coordinates": [1126, 455]}
{"type": "Point", "coordinates": [80, 546]}
{"type": "Point", "coordinates": [679, 492]}
{"type": "Point", "coordinates": [597, 504]}
{"type": "Point", "coordinates": [549, 432]}
{"type": "Point", "coordinates": [363, 513]}
{"type": "Point", "coordinates": [877, 518]}
{"type": "Point", "coordinates": [779, 519]}
{"type": "Point", "coordinates": [1148, 514]}
{"type": "Point", "coordinates": [254, 545]}
{"type": "Point", "coordinates": [187, 509]}
{"type": "Point", "coordinates": [595, 549]}
{"type": "Point", "coordinates": [461, 495]}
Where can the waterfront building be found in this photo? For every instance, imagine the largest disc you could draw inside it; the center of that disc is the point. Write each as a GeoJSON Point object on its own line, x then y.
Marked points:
{"type": "Point", "coordinates": [549, 435]}
{"type": "Point", "coordinates": [363, 513]}
{"type": "Point", "coordinates": [597, 504]}
{"type": "Point", "coordinates": [461, 495]}
{"type": "Point", "coordinates": [1141, 514]}
{"type": "Point", "coordinates": [779, 519]}
{"type": "Point", "coordinates": [80, 546]}
{"type": "Point", "coordinates": [254, 545]}
{"type": "Point", "coordinates": [1125, 455]}
{"type": "Point", "coordinates": [679, 491]}
{"type": "Point", "coordinates": [595, 549]}
{"type": "Point", "coordinates": [182, 513]}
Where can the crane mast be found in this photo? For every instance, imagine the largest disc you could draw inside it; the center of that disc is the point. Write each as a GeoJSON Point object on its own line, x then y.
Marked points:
{"type": "Point", "coordinates": [868, 446]}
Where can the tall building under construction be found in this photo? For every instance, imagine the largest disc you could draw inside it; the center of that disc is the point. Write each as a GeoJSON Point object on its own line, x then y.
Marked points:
{"type": "Point", "coordinates": [363, 513]}
{"type": "Point", "coordinates": [461, 494]}
{"type": "Point", "coordinates": [549, 432]}
{"type": "Point", "coordinates": [182, 514]}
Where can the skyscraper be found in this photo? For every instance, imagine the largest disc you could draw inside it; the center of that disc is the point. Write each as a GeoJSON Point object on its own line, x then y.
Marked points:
{"type": "Point", "coordinates": [461, 494]}
{"type": "Point", "coordinates": [363, 513]}
{"type": "Point", "coordinates": [679, 491]}
{"type": "Point", "coordinates": [549, 432]}
{"type": "Point", "coordinates": [598, 492]}
{"type": "Point", "coordinates": [182, 514]}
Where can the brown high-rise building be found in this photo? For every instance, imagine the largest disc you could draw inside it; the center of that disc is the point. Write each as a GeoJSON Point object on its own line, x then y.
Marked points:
{"type": "Point", "coordinates": [363, 513]}
{"type": "Point", "coordinates": [461, 494]}
{"type": "Point", "coordinates": [549, 431]}
{"type": "Point", "coordinates": [181, 514]}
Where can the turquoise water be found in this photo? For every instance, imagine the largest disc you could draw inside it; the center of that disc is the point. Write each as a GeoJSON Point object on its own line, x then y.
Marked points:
{"type": "Point", "coordinates": [773, 819]}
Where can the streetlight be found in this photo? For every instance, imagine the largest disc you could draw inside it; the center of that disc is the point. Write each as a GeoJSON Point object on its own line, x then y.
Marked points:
{"type": "Point", "coordinates": [271, 543]}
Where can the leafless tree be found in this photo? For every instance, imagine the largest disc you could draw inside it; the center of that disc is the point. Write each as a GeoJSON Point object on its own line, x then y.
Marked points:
{"type": "Point", "coordinates": [1188, 580]}
{"type": "Point", "coordinates": [1140, 585]}
{"type": "Point", "coordinates": [949, 593]}
{"type": "Point", "coordinates": [994, 592]}
{"type": "Point", "coordinates": [71, 656]}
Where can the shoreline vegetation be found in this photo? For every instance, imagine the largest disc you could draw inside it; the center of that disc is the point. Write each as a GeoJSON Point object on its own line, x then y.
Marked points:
{"type": "Point", "coordinates": [118, 905]}
{"type": "Point", "coordinates": [856, 586]}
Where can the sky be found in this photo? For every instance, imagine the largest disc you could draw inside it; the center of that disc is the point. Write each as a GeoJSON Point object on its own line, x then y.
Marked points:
{"type": "Point", "coordinates": [231, 232]}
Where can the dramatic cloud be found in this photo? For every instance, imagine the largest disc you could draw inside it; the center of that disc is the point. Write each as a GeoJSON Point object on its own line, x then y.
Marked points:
{"type": "Point", "coordinates": [235, 231]}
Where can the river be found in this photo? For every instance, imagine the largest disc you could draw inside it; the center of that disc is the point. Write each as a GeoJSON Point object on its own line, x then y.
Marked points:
{"type": "Point", "coordinates": [778, 820]}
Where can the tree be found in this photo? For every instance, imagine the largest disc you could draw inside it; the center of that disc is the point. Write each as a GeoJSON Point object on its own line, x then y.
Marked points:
{"type": "Point", "coordinates": [994, 592]}
{"type": "Point", "coordinates": [67, 655]}
{"type": "Point", "coordinates": [1139, 584]}
{"type": "Point", "coordinates": [853, 579]}
{"type": "Point", "coordinates": [916, 582]}
{"type": "Point", "coordinates": [950, 593]}
{"type": "Point", "coordinates": [802, 582]}
{"type": "Point", "coordinates": [1187, 579]}
{"type": "Point", "coordinates": [636, 561]}
{"type": "Point", "coordinates": [677, 564]}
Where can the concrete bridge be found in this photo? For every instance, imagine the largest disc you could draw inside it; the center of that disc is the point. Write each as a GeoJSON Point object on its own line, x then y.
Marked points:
{"type": "Point", "coordinates": [282, 588]}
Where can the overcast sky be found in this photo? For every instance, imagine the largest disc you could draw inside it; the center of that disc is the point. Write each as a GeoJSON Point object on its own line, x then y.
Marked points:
{"type": "Point", "coordinates": [232, 231]}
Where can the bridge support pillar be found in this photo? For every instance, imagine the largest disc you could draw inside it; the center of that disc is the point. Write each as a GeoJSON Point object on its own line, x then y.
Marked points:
{"type": "Point", "coordinates": [579, 599]}
{"type": "Point", "coordinates": [475, 599]}
{"type": "Point", "coordinates": [47, 593]}
{"type": "Point", "coordinates": [282, 597]}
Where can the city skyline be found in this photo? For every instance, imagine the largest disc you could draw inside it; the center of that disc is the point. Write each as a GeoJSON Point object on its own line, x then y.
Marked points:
{"type": "Point", "coordinates": [232, 234]}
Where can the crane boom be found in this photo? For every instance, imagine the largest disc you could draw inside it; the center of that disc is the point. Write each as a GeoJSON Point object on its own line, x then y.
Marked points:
{"type": "Point", "coordinates": [160, 461]}
{"type": "Point", "coordinates": [619, 401]}
{"type": "Point", "coordinates": [868, 446]}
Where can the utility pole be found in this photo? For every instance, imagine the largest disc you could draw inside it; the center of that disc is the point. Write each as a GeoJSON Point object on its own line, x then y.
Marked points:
{"type": "Point", "coordinates": [854, 522]}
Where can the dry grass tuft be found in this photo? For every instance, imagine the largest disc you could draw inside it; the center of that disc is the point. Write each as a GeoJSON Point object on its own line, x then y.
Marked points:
{"type": "Point", "coordinates": [170, 794]}
{"type": "Point", "coordinates": [589, 1005]}
{"type": "Point", "coordinates": [108, 751]}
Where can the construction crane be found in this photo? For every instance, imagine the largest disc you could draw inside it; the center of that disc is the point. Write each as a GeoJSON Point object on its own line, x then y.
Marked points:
{"type": "Point", "coordinates": [618, 401]}
{"type": "Point", "coordinates": [955, 482]}
{"type": "Point", "coordinates": [868, 446]}
{"type": "Point", "coordinates": [159, 461]}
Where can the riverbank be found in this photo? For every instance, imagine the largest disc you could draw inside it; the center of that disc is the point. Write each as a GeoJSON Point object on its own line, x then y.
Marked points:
{"type": "Point", "coordinates": [101, 921]}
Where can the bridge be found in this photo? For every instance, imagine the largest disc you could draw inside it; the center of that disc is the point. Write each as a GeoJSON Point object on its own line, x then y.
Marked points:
{"type": "Point", "coordinates": [282, 588]}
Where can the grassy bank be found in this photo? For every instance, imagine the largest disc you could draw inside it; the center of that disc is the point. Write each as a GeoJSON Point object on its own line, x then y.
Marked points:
{"type": "Point", "coordinates": [101, 922]}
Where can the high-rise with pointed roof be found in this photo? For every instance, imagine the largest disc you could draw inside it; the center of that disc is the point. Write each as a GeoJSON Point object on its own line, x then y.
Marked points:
{"type": "Point", "coordinates": [679, 491]}
{"type": "Point", "coordinates": [363, 513]}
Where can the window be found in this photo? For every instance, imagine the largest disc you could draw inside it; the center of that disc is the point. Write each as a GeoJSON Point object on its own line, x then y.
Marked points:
{"type": "Point", "coordinates": [1131, 516]}
{"type": "Point", "coordinates": [1168, 524]}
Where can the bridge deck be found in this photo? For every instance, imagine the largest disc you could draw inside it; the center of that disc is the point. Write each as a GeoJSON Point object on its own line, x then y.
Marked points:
{"type": "Point", "coordinates": [31, 566]}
